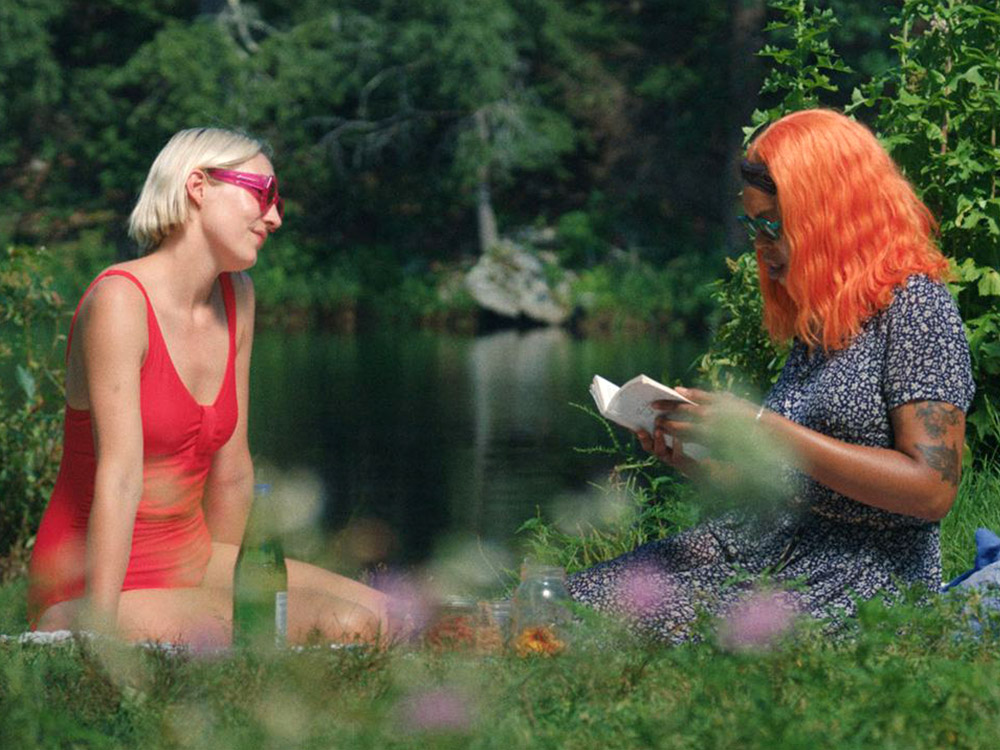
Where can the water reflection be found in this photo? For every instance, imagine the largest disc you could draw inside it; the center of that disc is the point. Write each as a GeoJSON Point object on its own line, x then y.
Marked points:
{"type": "Point", "coordinates": [512, 377]}
{"type": "Point", "coordinates": [430, 433]}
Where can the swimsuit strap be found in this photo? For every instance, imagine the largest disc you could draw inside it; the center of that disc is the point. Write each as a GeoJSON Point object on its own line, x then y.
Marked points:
{"type": "Point", "coordinates": [104, 275]}
{"type": "Point", "coordinates": [228, 300]}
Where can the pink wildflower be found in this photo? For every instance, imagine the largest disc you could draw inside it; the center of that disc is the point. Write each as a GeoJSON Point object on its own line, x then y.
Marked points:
{"type": "Point", "coordinates": [757, 622]}
{"type": "Point", "coordinates": [643, 589]}
{"type": "Point", "coordinates": [438, 710]}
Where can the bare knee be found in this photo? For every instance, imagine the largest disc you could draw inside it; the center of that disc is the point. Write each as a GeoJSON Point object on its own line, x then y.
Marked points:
{"type": "Point", "coordinates": [316, 616]}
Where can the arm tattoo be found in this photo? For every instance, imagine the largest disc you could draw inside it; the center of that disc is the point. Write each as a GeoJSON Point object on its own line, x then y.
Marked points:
{"type": "Point", "coordinates": [943, 460]}
{"type": "Point", "coordinates": [937, 417]}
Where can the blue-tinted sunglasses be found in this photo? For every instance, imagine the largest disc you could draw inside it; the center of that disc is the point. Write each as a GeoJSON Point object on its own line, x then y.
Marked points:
{"type": "Point", "coordinates": [770, 229]}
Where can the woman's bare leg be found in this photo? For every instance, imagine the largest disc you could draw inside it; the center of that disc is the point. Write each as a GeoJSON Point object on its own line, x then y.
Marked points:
{"type": "Point", "coordinates": [197, 616]}
{"type": "Point", "coordinates": [320, 602]}
{"type": "Point", "coordinates": [202, 617]}
{"type": "Point", "coordinates": [321, 605]}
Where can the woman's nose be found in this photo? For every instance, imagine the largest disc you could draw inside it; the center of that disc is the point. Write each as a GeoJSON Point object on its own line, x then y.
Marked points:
{"type": "Point", "coordinates": [272, 218]}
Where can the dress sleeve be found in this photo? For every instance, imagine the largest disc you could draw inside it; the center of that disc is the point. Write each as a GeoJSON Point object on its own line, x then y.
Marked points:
{"type": "Point", "coordinates": [927, 355]}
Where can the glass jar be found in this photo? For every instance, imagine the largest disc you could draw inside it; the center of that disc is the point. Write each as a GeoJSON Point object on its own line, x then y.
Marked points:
{"type": "Point", "coordinates": [493, 627]}
{"type": "Point", "coordinates": [541, 613]}
{"type": "Point", "coordinates": [454, 624]}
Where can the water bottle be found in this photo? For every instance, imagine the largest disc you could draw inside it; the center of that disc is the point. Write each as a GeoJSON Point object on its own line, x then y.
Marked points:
{"type": "Point", "coordinates": [541, 614]}
{"type": "Point", "coordinates": [260, 581]}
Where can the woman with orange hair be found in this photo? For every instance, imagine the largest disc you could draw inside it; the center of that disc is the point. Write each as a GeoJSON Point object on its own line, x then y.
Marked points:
{"type": "Point", "coordinates": [870, 406]}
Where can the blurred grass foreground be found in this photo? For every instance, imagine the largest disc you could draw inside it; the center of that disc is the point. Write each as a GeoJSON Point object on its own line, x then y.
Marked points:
{"type": "Point", "coordinates": [909, 677]}
{"type": "Point", "coordinates": [918, 674]}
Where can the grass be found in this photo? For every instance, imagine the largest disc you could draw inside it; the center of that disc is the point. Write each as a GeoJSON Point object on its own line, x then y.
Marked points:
{"type": "Point", "coordinates": [906, 680]}
{"type": "Point", "coordinates": [977, 505]}
{"type": "Point", "coordinates": [912, 676]}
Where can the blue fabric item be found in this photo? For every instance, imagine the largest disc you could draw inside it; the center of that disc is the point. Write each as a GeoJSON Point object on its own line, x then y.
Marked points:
{"type": "Point", "coordinates": [987, 553]}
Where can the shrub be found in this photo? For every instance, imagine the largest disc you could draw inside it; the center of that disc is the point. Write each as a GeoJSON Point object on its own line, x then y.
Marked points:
{"type": "Point", "coordinates": [31, 406]}
{"type": "Point", "coordinates": [937, 114]}
{"type": "Point", "coordinates": [626, 294]}
{"type": "Point", "coordinates": [742, 358]}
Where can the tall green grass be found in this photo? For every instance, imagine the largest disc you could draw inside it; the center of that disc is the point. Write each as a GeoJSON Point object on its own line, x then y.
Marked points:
{"type": "Point", "coordinates": [911, 678]}
{"type": "Point", "coordinates": [977, 505]}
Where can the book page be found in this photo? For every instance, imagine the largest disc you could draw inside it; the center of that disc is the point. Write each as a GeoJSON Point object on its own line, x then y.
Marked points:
{"type": "Point", "coordinates": [630, 407]}
{"type": "Point", "coordinates": [603, 391]}
{"type": "Point", "coordinates": [631, 404]}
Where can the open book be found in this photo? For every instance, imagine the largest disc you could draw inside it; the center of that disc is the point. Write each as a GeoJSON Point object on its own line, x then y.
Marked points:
{"type": "Point", "coordinates": [630, 407]}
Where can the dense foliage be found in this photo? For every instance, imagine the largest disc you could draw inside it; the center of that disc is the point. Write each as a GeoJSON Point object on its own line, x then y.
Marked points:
{"type": "Point", "coordinates": [389, 118]}
{"type": "Point", "coordinates": [938, 112]}
{"type": "Point", "coordinates": [31, 421]}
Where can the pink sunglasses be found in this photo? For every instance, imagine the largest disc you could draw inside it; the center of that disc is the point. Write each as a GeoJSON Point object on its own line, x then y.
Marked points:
{"type": "Point", "coordinates": [265, 187]}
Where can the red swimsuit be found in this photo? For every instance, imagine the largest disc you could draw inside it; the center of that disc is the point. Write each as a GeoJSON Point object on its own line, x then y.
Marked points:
{"type": "Point", "coordinates": [171, 544]}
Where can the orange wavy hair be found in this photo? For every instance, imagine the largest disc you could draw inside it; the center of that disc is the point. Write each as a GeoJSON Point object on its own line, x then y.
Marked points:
{"type": "Point", "coordinates": [855, 227]}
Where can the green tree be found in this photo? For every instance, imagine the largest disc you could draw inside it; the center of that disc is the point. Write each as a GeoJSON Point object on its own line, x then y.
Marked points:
{"type": "Point", "coordinates": [466, 83]}
{"type": "Point", "coordinates": [188, 74]}
{"type": "Point", "coordinates": [31, 85]}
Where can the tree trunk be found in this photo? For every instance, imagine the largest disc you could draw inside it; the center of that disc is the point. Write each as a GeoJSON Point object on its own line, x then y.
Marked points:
{"type": "Point", "coordinates": [485, 216]}
{"type": "Point", "coordinates": [745, 77]}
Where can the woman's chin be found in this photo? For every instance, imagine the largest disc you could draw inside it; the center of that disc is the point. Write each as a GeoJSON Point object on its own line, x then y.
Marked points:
{"type": "Point", "coordinates": [243, 262]}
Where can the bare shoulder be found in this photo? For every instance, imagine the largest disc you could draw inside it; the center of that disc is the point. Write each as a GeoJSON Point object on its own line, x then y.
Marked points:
{"type": "Point", "coordinates": [114, 298]}
{"type": "Point", "coordinates": [114, 315]}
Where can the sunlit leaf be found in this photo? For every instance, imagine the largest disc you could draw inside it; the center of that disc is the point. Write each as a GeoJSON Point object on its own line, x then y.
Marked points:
{"type": "Point", "coordinates": [27, 382]}
{"type": "Point", "coordinates": [989, 283]}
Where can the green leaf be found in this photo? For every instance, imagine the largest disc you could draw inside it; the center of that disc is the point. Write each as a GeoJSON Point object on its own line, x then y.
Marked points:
{"type": "Point", "coordinates": [973, 76]}
{"type": "Point", "coordinates": [989, 284]}
{"type": "Point", "coordinates": [27, 382]}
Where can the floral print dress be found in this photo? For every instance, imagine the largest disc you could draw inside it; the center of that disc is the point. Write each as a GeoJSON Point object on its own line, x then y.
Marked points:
{"type": "Point", "coordinates": [835, 549]}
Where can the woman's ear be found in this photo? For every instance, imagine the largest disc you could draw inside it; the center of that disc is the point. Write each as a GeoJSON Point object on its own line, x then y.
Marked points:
{"type": "Point", "coordinates": [195, 185]}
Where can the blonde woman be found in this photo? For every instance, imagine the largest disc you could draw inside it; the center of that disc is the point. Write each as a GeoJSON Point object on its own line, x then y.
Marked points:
{"type": "Point", "coordinates": [141, 532]}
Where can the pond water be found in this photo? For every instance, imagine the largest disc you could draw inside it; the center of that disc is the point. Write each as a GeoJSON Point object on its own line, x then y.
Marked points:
{"type": "Point", "coordinates": [425, 434]}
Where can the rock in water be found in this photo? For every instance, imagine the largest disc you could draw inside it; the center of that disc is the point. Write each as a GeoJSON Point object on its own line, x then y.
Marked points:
{"type": "Point", "coordinates": [513, 281]}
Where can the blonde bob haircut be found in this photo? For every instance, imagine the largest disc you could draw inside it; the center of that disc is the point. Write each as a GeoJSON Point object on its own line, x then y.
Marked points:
{"type": "Point", "coordinates": [163, 203]}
